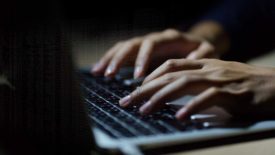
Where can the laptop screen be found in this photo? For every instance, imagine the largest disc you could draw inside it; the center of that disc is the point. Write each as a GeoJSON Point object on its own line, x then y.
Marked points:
{"type": "Point", "coordinates": [43, 108]}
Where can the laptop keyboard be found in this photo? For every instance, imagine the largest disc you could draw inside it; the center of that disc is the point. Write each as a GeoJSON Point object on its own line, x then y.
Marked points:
{"type": "Point", "coordinates": [102, 96]}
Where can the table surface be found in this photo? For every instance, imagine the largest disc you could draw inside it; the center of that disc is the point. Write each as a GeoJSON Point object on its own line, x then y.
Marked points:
{"type": "Point", "coordinates": [88, 50]}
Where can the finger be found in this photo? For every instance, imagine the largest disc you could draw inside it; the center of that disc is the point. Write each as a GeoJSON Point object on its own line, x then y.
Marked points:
{"type": "Point", "coordinates": [173, 65]}
{"type": "Point", "coordinates": [205, 50]}
{"type": "Point", "coordinates": [143, 58]}
{"type": "Point", "coordinates": [187, 85]}
{"type": "Point", "coordinates": [147, 90]}
{"type": "Point", "coordinates": [140, 94]}
{"type": "Point", "coordinates": [210, 97]}
{"type": "Point", "coordinates": [100, 66]}
{"type": "Point", "coordinates": [130, 48]}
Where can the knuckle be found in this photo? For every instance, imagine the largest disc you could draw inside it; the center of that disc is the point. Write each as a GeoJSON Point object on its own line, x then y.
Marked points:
{"type": "Point", "coordinates": [129, 45]}
{"type": "Point", "coordinates": [119, 43]}
{"type": "Point", "coordinates": [135, 40]}
{"type": "Point", "coordinates": [215, 90]}
{"type": "Point", "coordinates": [221, 71]}
{"type": "Point", "coordinates": [149, 41]}
{"type": "Point", "coordinates": [152, 39]}
{"type": "Point", "coordinates": [152, 35]}
{"type": "Point", "coordinates": [170, 30]}
{"type": "Point", "coordinates": [170, 64]}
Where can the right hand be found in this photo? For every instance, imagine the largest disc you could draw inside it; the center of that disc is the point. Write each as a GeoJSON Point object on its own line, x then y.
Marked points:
{"type": "Point", "coordinates": [240, 89]}
{"type": "Point", "coordinates": [152, 50]}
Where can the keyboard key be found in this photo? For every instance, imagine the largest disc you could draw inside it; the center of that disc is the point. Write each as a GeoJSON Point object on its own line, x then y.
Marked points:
{"type": "Point", "coordinates": [102, 97]}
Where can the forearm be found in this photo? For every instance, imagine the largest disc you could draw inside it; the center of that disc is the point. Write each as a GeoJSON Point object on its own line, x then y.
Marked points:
{"type": "Point", "coordinates": [213, 32]}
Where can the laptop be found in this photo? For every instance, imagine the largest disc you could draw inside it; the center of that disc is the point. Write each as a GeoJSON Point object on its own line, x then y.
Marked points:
{"type": "Point", "coordinates": [60, 104]}
{"type": "Point", "coordinates": [115, 128]}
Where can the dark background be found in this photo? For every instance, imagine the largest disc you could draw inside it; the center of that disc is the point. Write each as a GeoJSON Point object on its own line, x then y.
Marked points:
{"type": "Point", "coordinates": [135, 14]}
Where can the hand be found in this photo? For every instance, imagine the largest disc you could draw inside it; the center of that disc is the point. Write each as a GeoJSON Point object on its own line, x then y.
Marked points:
{"type": "Point", "coordinates": [239, 88]}
{"type": "Point", "coordinates": [152, 50]}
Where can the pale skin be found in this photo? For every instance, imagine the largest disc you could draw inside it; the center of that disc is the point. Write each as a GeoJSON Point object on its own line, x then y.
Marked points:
{"type": "Point", "coordinates": [239, 88]}
{"type": "Point", "coordinates": [143, 51]}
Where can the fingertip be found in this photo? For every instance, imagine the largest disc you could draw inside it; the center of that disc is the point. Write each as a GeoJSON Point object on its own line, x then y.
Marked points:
{"type": "Point", "coordinates": [182, 114]}
{"type": "Point", "coordinates": [146, 108]}
{"type": "Point", "coordinates": [138, 72]}
{"type": "Point", "coordinates": [110, 71]}
{"type": "Point", "coordinates": [124, 102]}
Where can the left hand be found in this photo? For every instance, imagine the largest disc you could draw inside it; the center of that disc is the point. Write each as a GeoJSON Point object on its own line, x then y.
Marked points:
{"type": "Point", "coordinates": [153, 49]}
{"type": "Point", "coordinates": [239, 88]}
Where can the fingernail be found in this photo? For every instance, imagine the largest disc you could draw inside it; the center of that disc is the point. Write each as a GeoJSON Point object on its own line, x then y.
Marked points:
{"type": "Point", "coordinates": [125, 101]}
{"type": "Point", "coordinates": [181, 114]}
{"type": "Point", "coordinates": [137, 72]}
{"type": "Point", "coordinates": [109, 70]}
{"type": "Point", "coordinates": [145, 109]}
